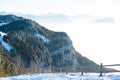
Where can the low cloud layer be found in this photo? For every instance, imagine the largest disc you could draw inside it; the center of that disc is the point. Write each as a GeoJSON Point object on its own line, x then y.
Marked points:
{"type": "Point", "coordinates": [62, 18]}
{"type": "Point", "coordinates": [105, 20]}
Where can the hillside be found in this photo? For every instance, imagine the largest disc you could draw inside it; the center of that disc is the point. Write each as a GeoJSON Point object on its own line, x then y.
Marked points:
{"type": "Point", "coordinates": [30, 47]}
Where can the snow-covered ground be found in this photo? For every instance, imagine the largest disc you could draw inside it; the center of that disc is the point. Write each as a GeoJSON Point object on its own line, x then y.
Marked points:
{"type": "Point", "coordinates": [74, 76]}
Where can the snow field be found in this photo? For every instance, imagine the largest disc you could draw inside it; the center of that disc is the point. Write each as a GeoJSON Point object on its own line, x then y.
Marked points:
{"type": "Point", "coordinates": [58, 76]}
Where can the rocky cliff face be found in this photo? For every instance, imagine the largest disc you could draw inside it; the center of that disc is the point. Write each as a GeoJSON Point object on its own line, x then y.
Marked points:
{"type": "Point", "coordinates": [31, 47]}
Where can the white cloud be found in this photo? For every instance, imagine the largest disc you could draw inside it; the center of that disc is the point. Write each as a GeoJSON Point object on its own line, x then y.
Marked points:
{"type": "Point", "coordinates": [104, 20]}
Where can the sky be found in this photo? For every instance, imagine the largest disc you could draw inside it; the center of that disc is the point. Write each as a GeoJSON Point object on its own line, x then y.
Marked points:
{"type": "Point", "coordinates": [93, 25]}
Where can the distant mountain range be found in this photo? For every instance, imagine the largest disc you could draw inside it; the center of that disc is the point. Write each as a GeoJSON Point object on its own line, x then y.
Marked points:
{"type": "Point", "coordinates": [63, 18]}
{"type": "Point", "coordinates": [26, 46]}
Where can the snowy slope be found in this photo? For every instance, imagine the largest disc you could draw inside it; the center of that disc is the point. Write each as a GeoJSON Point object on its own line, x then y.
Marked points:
{"type": "Point", "coordinates": [6, 45]}
{"type": "Point", "coordinates": [2, 34]}
{"type": "Point", "coordinates": [1, 24]}
{"type": "Point", "coordinates": [62, 77]}
{"type": "Point", "coordinates": [44, 39]}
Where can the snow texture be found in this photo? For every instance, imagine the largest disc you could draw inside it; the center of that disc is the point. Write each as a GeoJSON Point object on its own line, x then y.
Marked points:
{"type": "Point", "coordinates": [2, 34]}
{"type": "Point", "coordinates": [1, 24]}
{"type": "Point", "coordinates": [6, 45]}
{"type": "Point", "coordinates": [44, 39]}
{"type": "Point", "coordinates": [75, 76]}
